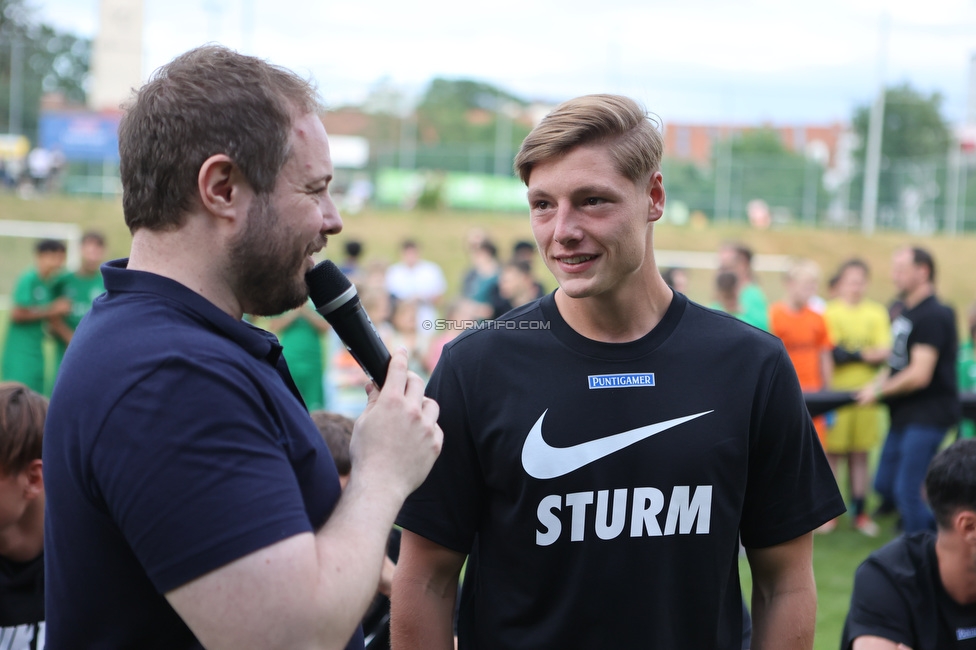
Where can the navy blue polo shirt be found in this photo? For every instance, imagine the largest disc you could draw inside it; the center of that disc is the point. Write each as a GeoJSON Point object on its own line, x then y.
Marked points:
{"type": "Point", "coordinates": [175, 443]}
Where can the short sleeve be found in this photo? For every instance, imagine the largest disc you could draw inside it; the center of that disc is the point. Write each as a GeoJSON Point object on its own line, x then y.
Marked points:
{"type": "Point", "coordinates": [23, 295]}
{"type": "Point", "coordinates": [790, 489]}
{"type": "Point", "coordinates": [200, 485]}
{"type": "Point", "coordinates": [446, 509]}
{"type": "Point", "coordinates": [824, 342]}
{"type": "Point", "coordinates": [930, 331]}
{"type": "Point", "coordinates": [878, 608]}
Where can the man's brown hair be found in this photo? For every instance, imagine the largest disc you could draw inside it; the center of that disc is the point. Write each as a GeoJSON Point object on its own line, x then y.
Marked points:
{"type": "Point", "coordinates": [208, 101]}
{"type": "Point", "coordinates": [22, 416]}
{"type": "Point", "coordinates": [616, 122]}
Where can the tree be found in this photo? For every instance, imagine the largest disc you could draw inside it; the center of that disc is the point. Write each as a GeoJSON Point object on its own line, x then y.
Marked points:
{"type": "Point", "coordinates": [52, 61]}
{"type": "Point", "coordinates": [463, 111]}
{"type": "Point", "coordinates": [915, 137]}
{"type": "Point", "coordinates": [689, 184]}
{"type": "Point", "coordinates": [763, 168]}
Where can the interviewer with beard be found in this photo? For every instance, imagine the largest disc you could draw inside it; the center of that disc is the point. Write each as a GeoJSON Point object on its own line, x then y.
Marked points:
{"type": "Point", "coordinates": [191, 501]}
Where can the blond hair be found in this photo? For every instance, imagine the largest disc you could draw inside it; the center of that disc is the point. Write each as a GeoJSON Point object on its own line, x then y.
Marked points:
{"type": "Point", "coordinates": [619, 123]}
{"type": "Point", "coordinates": [803, 269]}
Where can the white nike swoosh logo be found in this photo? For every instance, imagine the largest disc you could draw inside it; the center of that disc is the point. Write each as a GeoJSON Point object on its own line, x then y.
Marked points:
{"type": "Point", "coordinates": [543, 461]}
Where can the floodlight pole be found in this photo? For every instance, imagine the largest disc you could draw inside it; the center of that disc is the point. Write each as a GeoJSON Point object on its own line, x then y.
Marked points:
{"type": "Point", "coordinates": [15, 125]}
{"type": "Point", "coordinates": [872, 163]}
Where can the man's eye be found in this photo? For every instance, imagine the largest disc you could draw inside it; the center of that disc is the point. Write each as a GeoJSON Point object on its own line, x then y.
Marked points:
{"type": "Point", "coordinates": [541, 205]}
{"type": "Point", "coordinates": [593, 200]}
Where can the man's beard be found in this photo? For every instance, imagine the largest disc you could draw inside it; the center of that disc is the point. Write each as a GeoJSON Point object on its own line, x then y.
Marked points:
{"type": "Point", "coordinates": [266, 266]}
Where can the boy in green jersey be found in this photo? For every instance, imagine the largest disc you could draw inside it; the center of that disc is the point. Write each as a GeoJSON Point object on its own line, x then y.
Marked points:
{"type": "Point", "coordinates": [35, 305]}
{"type": "Point", "coordinates": [966, 368]}
{"type": "Point", "coordinates": [80, 287]}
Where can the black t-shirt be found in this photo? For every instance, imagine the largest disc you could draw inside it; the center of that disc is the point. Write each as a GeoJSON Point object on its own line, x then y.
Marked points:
{"type": "Point", "coordinates": [601, 488]}
{"type": "Point", "coordinates": [934, 324]}
{"type": "Point", "coordinates": [21, 603]}
{"type": "Point", "coordinates": [898, 595]}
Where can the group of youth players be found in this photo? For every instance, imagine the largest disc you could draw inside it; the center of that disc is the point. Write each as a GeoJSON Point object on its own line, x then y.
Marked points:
{"type": "Point", "coordinates": [47, 303]}
{"type": "Point", "coordinates": [903, 359]}
{"type": "Point", "coordinates": [597, 474]}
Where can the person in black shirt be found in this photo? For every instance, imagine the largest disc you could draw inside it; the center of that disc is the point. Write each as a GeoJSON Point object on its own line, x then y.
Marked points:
{"type": "Point", "coordinates": [919, 385]}
{"type": "Point", "coordinates": [606, 444]}
{"type": "Point", "coordinates": [22, 414]}
{"type": "Point", "coordinates": [919, 591]}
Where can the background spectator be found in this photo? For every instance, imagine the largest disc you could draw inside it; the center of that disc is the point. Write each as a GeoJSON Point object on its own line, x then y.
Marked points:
{"type": "Point", "coordinates": [861, 335]}
{"type": "Point", "coordinates": [34, 305]}
{"type": "Point", "coordinates": [804, 332]}
{"type": "Point", "coordinates": [22, 415]}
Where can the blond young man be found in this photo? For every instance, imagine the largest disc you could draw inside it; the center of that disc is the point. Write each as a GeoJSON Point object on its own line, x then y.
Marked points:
{"type": "Point", "coordinates": [606, 444]}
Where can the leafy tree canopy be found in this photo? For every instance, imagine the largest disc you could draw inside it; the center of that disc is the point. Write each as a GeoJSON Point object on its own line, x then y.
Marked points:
{"type": "Point", "coordinates": [445, 112]}
{"type": "Point", "coordinates": [914, 136]}
{"type": "Point", "coordinates": [913, 125]}
{"type": "Point", "coordinates": [53, 61]}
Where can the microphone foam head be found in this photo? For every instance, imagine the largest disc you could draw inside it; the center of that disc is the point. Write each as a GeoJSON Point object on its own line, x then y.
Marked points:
{"type": "Point", "coordinates": [326, 283]}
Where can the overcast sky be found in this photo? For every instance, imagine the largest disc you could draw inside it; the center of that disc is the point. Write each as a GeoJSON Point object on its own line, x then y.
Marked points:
{"type": "Point", "coordinates": [694, 60]}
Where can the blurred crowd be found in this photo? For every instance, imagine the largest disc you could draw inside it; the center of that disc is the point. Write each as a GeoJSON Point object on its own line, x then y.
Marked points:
{"type": "Point", "coordinates": [840, 340]}
{"type": "Point", "coordinates": [408, 304]}
{"type": "Point", "coordinates": [837, 338]}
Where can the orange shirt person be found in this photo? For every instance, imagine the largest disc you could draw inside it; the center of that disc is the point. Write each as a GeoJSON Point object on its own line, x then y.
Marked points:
{"type": "Point", "coordinates": [804, 332]}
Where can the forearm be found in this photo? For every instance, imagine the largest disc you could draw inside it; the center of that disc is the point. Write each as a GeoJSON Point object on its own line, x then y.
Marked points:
{"type": "Point", "coordinates": [60, 329]}
{"type": "Point", "coordinates": [875, 356]}
{"type": "Point", "coordinates": [422, 612]}
{"type": "Point", "coordinates": [784, 618]}
{"type": "Point", "coordinates": [424, 593]}
{"type": "Point", "coordinates": [902, 382]}
{"type": "Point", "coordinates": [30, 314]}
{"type": "Point", "coordinates": [784, 595]}
{"type": "Point", "coordinates": [314, 319]}
{"type": "Point", "coordinates": [351, 548]}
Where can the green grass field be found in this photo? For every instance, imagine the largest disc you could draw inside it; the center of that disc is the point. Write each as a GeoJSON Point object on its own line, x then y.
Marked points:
{"type": "Point", "coordinates": [442, 235]}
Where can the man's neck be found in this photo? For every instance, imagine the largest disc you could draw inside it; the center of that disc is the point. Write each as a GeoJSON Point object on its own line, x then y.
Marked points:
{"type": "Point", "coordinates": [177, 255]}
{"type": "Point", "coordinates": [23, 540]}
{"type": "Point", "coordinates": [956, 569]}
{"type": "Point", "coordinates": [919, 294]}
{"type": "Point", "coordinates": [620, 317]}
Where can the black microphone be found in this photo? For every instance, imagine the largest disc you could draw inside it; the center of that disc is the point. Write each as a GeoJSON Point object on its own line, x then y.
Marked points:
{"type": "Point", "coordinates": [336, 299]}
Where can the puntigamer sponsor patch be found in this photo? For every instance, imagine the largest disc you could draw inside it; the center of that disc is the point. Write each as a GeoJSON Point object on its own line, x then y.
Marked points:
{"type": "Point", "coordinates": [625, 380]}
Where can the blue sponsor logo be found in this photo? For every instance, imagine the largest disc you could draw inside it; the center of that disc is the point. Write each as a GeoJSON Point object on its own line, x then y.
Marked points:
{"type": "Point", "coordinates": [965, 633]}
{"type": "Point", "coordinates": [625, 380]}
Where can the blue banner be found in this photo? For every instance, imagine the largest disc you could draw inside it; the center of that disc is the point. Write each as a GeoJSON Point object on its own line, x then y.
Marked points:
{"type": "Point", "coordinates": [81, 137]}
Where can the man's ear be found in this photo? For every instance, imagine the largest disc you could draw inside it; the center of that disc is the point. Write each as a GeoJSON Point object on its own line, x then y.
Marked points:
{"type": "Point", "coordinates": [34, 474]}
{"type": "Point", "coordinates": [219, 185]}
{"type": "Point", "coordinates": [964, 522]}
{"type": "Point", "coordinates": [656, 197]}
